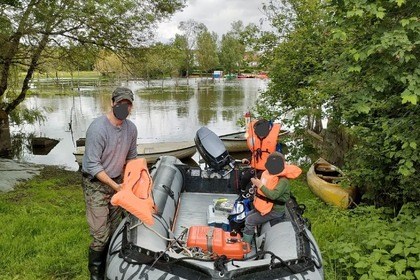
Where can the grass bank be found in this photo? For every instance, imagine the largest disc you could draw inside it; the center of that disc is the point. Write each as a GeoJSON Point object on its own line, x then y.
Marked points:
{"type": "Point", "coordinates": [44, 233]}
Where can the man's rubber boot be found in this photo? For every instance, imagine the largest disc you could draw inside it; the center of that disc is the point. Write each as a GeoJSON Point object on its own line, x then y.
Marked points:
{"type": "Point", "coordinates": [248, 238]}
{"type": "Point", "coordinates": [97, 264]}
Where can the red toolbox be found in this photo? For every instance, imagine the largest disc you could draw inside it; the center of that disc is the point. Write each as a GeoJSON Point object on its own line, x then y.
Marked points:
{"type": "Point", "coordinates": [215, 240]}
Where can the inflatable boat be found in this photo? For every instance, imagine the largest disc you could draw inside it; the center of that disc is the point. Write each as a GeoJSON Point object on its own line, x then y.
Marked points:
{"type": "Point", "coordinates": [181, 230]}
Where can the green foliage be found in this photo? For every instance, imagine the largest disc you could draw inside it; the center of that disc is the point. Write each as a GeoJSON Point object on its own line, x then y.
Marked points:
{"type": "Point", "coordinates": [24, 115]}
{"type": "Point", "coordinates": [384, 248]}
{"type": "Point", "coordinates": [383, 115]}
{"type": "Point", "coordinates": [386, 158]}
{"type": "Point", "coordinates": [231, 53]}
{"type": "Point", "coordinates": [356, 64]}
{"type": "Point", "coordinates": [75, 30]}
{"type": "Point", "coordinates": [157, 61]}
{"type": "Point", "coordinates": [187, 41]}
{"type": "Point", "coordinates": [365, 242]}
{"type": "Point", "coordinates": [298, 65]}
{"type": "Point", "coordinates": [185, 54]}
{"type": "Point", "coordinates": [206, 53]}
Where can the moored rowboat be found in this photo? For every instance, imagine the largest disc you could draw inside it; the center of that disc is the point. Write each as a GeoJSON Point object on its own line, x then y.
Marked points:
{"type": "Point", "coordinates": [236, 142]}
{"type": "Point", "coordinates": [329, 183]}
{"type": "Point", "coordinates": [152, 151]}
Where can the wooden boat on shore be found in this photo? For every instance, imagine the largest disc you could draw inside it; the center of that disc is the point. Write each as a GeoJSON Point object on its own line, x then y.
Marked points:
{"type": "Point", "coordinates": [43, 142]}
{"type": "Point", "coordinates": [330, 184]}
{"type": "Point", "coordinates": [236, 142]}
{"type": "Point", "coordinates": [152, 151]}
{"type": "Point", "coordinates": [185, 236]}
{"type": "Point", "coordinates": [43, 145]}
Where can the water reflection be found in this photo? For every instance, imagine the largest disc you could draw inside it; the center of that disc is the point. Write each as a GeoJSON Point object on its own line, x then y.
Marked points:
{"type": "Point", "coordinates": [161, 114]}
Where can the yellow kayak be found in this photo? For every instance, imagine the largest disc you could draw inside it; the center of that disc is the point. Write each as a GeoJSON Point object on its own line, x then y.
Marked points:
{"type": "Point", "coordinates": [330, 184]}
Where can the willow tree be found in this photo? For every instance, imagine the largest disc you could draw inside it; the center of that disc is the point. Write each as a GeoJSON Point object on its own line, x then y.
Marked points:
{"type": "Point", "coordinates": [32, 27]}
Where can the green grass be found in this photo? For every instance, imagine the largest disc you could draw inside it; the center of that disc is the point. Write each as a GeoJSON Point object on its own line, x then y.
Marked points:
{"type": "Point", "coordinates": [44, 234]}
{"type": "Point", "coordinates": [66, 74]}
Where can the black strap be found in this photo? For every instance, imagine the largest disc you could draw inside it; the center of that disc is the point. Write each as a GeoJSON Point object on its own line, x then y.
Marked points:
{"type": "Point", "coordinates": [277, 202]}
{"type": "Point", "coordinates": [169, 191]}
{"type": "Point", "coordinates": [94, 179]}
{"type": "Point", "coordinates": [259, 152]}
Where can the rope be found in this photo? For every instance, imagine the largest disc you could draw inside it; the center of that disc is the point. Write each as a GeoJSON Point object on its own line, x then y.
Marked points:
{"type": "Point", "coordinates": [220, 262]}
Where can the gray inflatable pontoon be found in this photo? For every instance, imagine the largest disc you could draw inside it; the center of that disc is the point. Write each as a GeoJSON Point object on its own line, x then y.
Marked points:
{"type": "Point", "coordinates": [185, 197]}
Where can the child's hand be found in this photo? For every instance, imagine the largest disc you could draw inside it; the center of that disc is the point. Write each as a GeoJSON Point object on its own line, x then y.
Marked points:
{"type": "Point", "coordinates": [256, 182]}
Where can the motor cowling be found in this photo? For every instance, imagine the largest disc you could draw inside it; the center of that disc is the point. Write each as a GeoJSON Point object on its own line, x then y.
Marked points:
{"type": "Point", "coordinates": [212, 149]}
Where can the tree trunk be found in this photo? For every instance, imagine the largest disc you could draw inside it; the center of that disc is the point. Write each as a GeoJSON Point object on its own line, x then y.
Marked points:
{"type": "Point", "coordinates": [33, 65]}
{"type": "Point", "coordinates": [337, 142]}
{"type": "Point", "coordinates": [5, 140]}
{"type": "Point", "coordinates": [187, 78]}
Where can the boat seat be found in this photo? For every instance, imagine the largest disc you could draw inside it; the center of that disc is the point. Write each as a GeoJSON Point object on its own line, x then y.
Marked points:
{"type": "Point", "coordinates": [331, 178]}
{"type": "Point", "coordinates": [325, 168]}
{"type": "Point", "coordinates": [272, 223]}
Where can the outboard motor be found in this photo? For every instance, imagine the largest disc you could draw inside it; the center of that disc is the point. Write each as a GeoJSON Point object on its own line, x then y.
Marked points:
{"type": "Point", "coordinates": [213, 151]}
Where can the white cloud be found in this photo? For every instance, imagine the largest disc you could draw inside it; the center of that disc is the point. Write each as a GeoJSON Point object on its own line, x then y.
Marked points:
{"type": "Point", "coordinates": [217, 15]}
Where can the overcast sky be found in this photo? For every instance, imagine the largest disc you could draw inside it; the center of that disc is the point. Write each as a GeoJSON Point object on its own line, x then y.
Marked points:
{"type": "Point", "coordinates": [217, 15]}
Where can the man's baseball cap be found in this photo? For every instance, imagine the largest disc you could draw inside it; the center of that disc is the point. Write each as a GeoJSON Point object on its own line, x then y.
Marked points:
{"type": "Point", "coordinates": [121, 93]}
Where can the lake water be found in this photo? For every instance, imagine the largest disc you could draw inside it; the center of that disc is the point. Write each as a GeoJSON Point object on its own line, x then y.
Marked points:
{"type": "Point", "coordinates": [171, 114]}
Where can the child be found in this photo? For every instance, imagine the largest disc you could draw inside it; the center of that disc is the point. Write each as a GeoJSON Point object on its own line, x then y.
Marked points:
{"type": "Point", "coordinates": [273, 190]}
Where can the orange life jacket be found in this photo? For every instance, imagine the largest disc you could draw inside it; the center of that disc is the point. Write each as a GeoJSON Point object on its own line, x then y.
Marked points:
{"type": "Point", "coordinates": [261, 148]}
{"type": "Point", "coordinates": [136, 193]}
{"type": "Point", "coordinates": [290, 172]}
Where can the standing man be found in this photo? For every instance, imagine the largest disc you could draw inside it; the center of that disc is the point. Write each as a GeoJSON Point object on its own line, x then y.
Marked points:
{"type": "Point", "coordinates": [111, 141]}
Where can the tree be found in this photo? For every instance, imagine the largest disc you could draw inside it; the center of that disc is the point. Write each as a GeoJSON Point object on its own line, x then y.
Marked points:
{"type": "Point", "coordinates": [185, 62]}
{"type": "Point", "coordinates": [232, 50]}
{"type": "Point", "coordinates": [379, 93]}
{"type": "Point", "coordinates": [354, 63]}
{"type": "Point", "coordinates": [187, 41]}
{"type": "Point", "coordinates": [33, 26]}
{"type": "Point", "coordinates": [108, 63]}
{"type": "Point", "coordinates": [207, 58]}
{"type": "Point", "coordinates": [296, 95]}
{"type": "Point", "coordinates": [163, 59]}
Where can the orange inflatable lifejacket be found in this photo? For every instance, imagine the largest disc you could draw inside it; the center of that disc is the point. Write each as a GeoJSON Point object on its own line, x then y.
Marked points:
{"type": "Point", "coordinates": [136, 193]}
{"type": "Point", "coordinates": [289, 171]}
{"type": "Point", "coordinates": [261, 148]}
